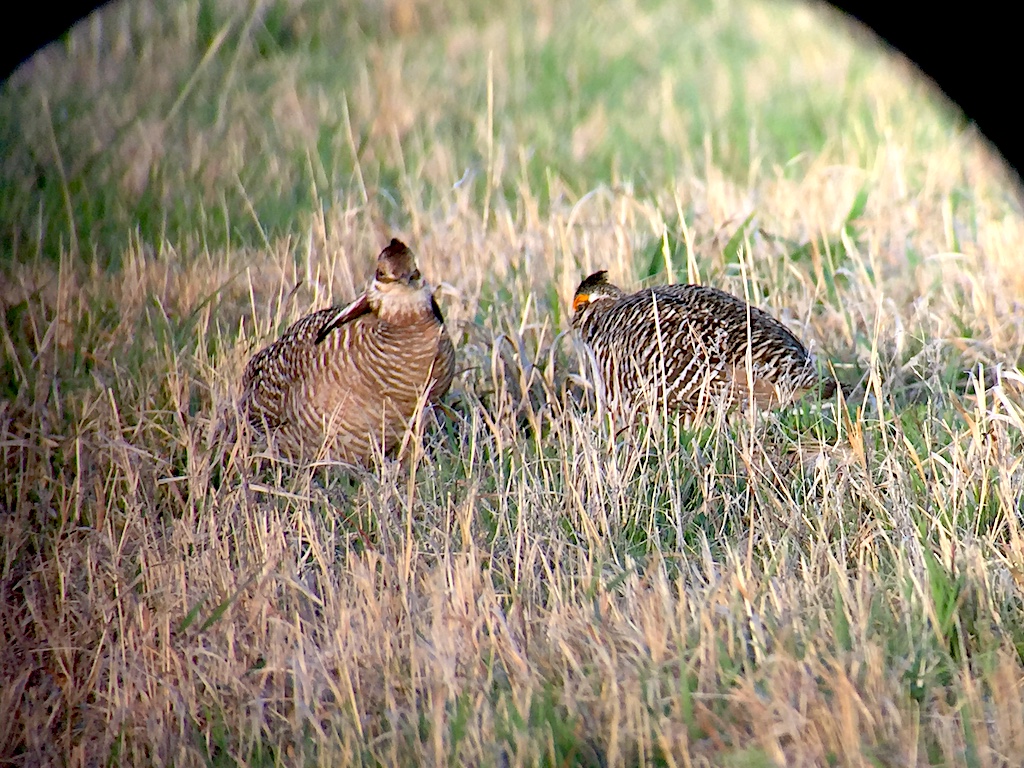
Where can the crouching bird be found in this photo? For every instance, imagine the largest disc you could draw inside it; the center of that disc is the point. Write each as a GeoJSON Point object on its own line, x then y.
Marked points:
{"type": "Point", "coordinates": [345, 379]}
{"type": "Point", "coordinates": [687, 348]}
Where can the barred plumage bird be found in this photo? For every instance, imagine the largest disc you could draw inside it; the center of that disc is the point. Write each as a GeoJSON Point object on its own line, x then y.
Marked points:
{"type": "Point", "coordinates": [347, 378]}
{"type": "Point", "coordinates": [685, 347]}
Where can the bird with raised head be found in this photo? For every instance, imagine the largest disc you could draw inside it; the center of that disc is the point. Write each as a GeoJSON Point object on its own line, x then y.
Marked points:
{"type": "Point", "coordinates": [687, 348]}
{"type": "Point", "coordinates": [345, 379]}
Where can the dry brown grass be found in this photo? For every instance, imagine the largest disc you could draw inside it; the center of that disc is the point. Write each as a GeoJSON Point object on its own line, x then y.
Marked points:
{"type": "Point", "coordinates": [836, 586]}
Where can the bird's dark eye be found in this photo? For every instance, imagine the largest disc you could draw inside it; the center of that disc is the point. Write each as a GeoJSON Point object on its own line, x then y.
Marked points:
{"type": "Point", "coordinates": [415, 275]}
{"type": "Point", "coordinates": [380, 274]}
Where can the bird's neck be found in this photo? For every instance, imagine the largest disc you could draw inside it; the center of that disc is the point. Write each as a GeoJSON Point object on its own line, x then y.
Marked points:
{"type": "Point", "coordinates": [404, 307]}
{"type": "Point", "coordinates": [594, 310]}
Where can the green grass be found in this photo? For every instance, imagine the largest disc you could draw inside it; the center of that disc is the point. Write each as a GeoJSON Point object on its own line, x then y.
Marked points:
{"type": "Point", "coordinates": [835, 585]}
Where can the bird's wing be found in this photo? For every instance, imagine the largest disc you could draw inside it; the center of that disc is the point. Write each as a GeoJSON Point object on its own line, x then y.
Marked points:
{"type": "Point", "coordinates": [357, 308]}
{"type": "Point", "coordinates": [707, 304]}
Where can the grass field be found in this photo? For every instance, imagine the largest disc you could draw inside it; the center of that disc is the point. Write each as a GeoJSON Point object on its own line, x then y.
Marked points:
{"type": "Point", "coordinates": [836, 584]}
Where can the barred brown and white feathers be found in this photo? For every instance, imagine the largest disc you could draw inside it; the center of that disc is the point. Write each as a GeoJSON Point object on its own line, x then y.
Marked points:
{"type": "Point", "coordinates": [347, 378]}
{"type": "Point", "coordinates": [686, 347]}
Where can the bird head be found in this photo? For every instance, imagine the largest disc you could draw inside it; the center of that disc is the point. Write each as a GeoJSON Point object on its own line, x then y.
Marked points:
{"type": "Point", "coordinates": [398, 287]}
{"type": "Point", "coordinates": [397, 264]}
{"type": "Point", "coordinates": [594, 290]}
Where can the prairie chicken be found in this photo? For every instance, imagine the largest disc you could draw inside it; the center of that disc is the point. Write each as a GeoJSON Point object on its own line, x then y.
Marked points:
{"type": "Point", "coordinates": [348, 378]}
{"type": "Point", "coordinates": [685, 347]}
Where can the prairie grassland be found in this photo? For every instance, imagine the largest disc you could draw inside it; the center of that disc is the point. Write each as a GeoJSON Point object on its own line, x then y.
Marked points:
{"type": "Point", "coordinates": [822, 585]}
